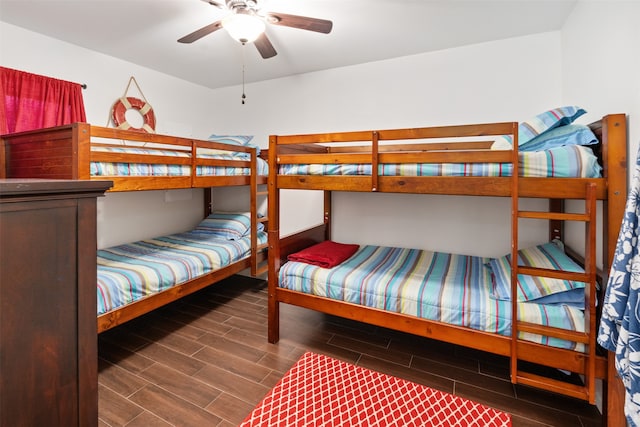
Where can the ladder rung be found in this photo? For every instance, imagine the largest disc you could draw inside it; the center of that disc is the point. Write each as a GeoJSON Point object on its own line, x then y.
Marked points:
{"type": "Point", "coordinates": [562, 216]}
{"type": "Point", "coordinates": [550, 331]}
{"type": "Point", "coordinates": [262, 193]}
{"type": "Point", "coordinates": [554, 274]}
{"type": "Point", "coordinates": [263, 219]}
{"type": "Point", "coordinates": [262, 246]}
{"type": "Point", "coordinates": [561, 387]}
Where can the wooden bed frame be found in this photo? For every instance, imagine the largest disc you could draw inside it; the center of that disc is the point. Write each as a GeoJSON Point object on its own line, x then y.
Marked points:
{"type": "Point", "coordinates": [339, 147]}
{"type": "Point", "coordinates": [66, 152]}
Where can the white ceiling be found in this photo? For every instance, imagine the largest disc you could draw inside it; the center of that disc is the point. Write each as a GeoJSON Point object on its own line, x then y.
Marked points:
{"type": "Point", "coordinates": [145, 32]}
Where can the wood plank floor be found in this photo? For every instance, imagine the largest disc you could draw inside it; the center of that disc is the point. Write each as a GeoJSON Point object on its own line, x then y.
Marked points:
{"type": "Point", "coordinates": [205, 361]}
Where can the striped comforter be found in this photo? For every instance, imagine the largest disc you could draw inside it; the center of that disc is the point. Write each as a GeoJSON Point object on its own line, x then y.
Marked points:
{"type": "Point", "coordinates": [560, 162]}
{"type": "Point", "coordinates": [150, 169]}
{"type": "Point", "coordinates": [132, 271]}
{"type": "Point", "coordinates": [449, 288]}
{"type": "Point", "coordinates": [262, 166]}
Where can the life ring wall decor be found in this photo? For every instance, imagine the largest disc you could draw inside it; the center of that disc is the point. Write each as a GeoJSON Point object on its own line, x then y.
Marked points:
{"type": "Point", "coordinates": [125, 103]}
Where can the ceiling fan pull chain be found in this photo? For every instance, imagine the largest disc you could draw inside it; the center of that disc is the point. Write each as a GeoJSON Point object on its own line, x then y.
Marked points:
{"type": "Point", "coordinates": [243, 95]}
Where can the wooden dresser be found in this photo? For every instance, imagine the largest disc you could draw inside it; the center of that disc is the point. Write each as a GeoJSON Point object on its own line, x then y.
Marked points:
{"type": "Point", "coordinates": [48, 338]}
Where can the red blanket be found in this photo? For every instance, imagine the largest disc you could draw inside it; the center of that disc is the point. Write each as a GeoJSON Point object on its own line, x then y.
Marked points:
{"type": "Point", "coordinates": [326, 254]}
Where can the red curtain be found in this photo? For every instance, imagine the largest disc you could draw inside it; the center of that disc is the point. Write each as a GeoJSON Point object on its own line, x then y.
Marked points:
{"type": "Point", "coordinates": [29, 101]}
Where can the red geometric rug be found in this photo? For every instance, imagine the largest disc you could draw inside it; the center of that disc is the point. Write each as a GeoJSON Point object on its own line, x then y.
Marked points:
{"type": "Point", "coordinates": [321, 391]}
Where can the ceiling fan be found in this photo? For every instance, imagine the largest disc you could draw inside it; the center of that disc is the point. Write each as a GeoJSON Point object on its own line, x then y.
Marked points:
{"type": "Point", "coordinates": [246, 24]}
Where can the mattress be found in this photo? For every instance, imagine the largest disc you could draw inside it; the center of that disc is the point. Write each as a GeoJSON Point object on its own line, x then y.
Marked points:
{"type": "Point", "coordinates": [157, 169]}
{"type": "Point", "coordinates": [129, 272]}
{"type": "Point", "coordinates": [572, 161]}
{"type": "Point", "coordinates": [450, 288]}
{"type": "Point", "coordinates": [261, 165]}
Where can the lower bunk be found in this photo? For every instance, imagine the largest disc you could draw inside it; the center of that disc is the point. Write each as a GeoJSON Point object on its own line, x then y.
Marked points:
{"type": "Point", "coordinates": [138, 277]}
{"type": "Point", "coordinates": [448, 297]}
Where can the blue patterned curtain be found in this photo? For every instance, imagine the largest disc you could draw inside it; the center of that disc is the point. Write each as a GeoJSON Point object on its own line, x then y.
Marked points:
{"type": "Point", "coordinates": [620, 323]}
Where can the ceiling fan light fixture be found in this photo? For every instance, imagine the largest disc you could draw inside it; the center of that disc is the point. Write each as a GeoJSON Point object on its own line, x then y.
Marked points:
{"type": "Point", "coordinates": [243, 27]}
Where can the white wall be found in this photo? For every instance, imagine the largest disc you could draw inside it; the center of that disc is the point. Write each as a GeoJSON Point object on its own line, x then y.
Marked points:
{"type": "Point", "coordinates": [181, 108]}
{"type": "Point", "coordinates": [600, 44]}
{"type": "Point", "coordinates": [494, 81]}
{"type": "Point", "coordinates": [488, 82]}
{"type": "Point", "coordinates": [446, 87]}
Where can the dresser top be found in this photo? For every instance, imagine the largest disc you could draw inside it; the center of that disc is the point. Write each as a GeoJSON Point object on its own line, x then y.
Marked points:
{"type": "Point", "coordinates": [20, 187]}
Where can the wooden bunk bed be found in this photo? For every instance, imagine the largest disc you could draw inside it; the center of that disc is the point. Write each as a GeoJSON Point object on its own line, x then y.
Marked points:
{"type": "Point", "coordinates": [137, 161]}
{"type": "Point", "coordinates": [302, 162]}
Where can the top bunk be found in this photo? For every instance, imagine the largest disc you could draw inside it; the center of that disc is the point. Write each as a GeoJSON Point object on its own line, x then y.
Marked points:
{"type": "Point", "coordinates": [456, 160]}
{"type": "Point", "coordinates": [132, 160]}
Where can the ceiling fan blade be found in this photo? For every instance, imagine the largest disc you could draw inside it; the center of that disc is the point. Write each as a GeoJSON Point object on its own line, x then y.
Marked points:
{"type": "Point", "coordinates": [198, 34]}
{"type": "Point", "coordinates": [302, 22]}
{"type": "Point", "coordinates": [264, 46]}
{"type": "Point", "coordinates": [214, 3]}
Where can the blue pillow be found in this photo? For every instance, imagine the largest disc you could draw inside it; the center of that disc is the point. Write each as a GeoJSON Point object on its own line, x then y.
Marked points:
{"type": "Point", "coordinates": [244, 140]}
{"type": "Point", "coordinates": [538, 125]}
{"type": "Point", "coordinates": [574, 298]}
{"type": "Point", "coordinates": [534, 288]}
{"type": "Point", "coordinates": [560, 136]}
{"type": "Point", "coordinates": [228, 225]}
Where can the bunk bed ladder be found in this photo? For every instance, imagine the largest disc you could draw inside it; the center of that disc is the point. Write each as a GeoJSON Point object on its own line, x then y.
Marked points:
{"type": "Point", "coordinates": [259, 193]}
{"type": "Point", "coordinates": [586, 338]}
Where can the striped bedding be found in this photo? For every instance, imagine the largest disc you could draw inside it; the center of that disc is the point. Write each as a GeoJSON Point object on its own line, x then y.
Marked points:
{"type": "Point", "coordinates": [561, 162]}
{"type": "Point", "coordinates": [262, 168]}
{"type": "Point", "coordinates": [450, 288]}
{"type": "Point", "coordinates": [132, 271]}
{"type": "Point", "coordinates": [149, 169]}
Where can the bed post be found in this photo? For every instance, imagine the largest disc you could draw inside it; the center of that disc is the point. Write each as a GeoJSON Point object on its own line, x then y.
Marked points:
{"type": "Point", "coordinates": [614, 131]}
{"type": "Point", "coordinates": [556, 227]}
{"type": "Point", "coordinates": [327, 215]}
{"type": "Point", "coordinates": [273, 229]}
{"type": "Point", "coordinates": [207, 202]}
{"type": "Point", "coordinates": [81, 144]}
{"type": "Point", "coordinates": [3, 159]}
